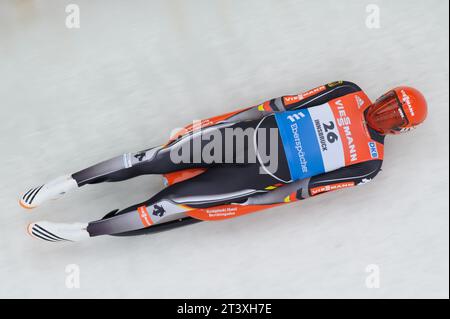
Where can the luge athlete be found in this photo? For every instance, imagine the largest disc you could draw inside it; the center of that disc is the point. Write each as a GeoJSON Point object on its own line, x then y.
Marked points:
{"type": "Point", "coordinates": [328, 138]}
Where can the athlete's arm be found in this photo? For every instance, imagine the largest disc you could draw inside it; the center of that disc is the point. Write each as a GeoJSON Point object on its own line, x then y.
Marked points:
{"type": "Point", "coordinates": [349, 176]}
{"type": "Point", "coordinates": [316, 96]}
{"type": "Point", "coordinates": [345, 177]}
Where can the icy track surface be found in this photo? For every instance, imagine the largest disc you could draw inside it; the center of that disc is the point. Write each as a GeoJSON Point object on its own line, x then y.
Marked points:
{"type": "Point", "coordinates": [133, 72]}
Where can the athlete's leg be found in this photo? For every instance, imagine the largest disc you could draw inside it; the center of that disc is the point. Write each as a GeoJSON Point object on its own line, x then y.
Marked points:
{"type": "Point", "coordinates": [217, 186]}
{"type": "Point", "coordinates": [157, 160]}
{"type": "Point", "coordinates": [184, 153]}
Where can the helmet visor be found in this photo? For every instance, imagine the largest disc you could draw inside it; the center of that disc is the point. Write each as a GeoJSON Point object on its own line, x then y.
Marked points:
{"type": "Point", "coordinates": [386, 114]}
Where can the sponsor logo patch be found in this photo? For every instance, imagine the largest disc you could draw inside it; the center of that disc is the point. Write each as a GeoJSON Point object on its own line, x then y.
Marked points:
{"type": "Point", "coordinates": [287, 100]}
{"type": "Point", "coordinates": [359, 101]}
{"type": "Point", "coordinates": [158, 210]}
{"type": "Point", "coordinates": [332, 187]}
{"type": "Point", "coordinates": [407, 100]}
{"type": "Point", "coordinates": [335, 83]}
{"type": "Point", "coordinates": [144, 216]}
{"type": "Point", "coordinates": [373, 150]}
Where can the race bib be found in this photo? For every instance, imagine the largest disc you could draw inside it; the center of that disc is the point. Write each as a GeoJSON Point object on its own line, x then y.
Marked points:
{"type": "Point", "coordinates": [326, 137]}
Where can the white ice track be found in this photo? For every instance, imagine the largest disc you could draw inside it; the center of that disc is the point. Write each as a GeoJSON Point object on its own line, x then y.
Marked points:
{"type": "Point", "coordinates": [70, 98]}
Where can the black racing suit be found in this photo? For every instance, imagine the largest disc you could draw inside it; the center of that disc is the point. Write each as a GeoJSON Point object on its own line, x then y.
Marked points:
{"type": "Point", "coordinates": [224, 181]}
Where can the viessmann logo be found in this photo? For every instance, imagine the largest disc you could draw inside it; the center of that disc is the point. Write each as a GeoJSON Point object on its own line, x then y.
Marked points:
{"type": "Point", "coordinates": [297, 98]}
{"type": "Point", "coordinates": [407, 100]}
{"type": "Point", "coordinates": [332, 187]}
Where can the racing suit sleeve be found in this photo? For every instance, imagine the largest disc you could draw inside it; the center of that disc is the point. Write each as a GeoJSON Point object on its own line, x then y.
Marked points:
{"type": "Point", "coordinates": [349, 176]}
{"type": "Point", "coordinates": [345, 177]}
{"type": "Point", "coordinates": [316, 96]}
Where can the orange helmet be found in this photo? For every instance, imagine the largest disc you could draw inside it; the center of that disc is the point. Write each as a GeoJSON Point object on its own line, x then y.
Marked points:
{"type": "Point", "coordinates": [399, 110]}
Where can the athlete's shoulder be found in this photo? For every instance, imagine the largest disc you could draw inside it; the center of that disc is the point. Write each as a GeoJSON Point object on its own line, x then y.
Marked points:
{"type": "Point", "coordinates": [339, 88]}
{"type": "Point", "coordinates": [347, 84]}
{"type": "Point", "coordinates": [349, 94]}
{"type": "Point", "coordinates": [319, 95]}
